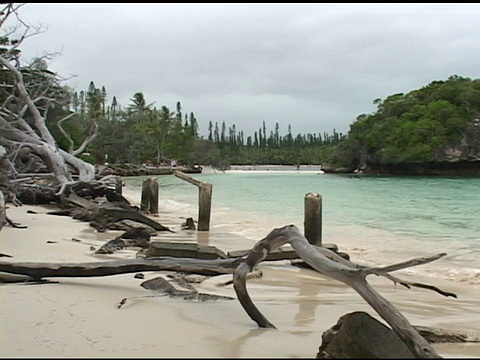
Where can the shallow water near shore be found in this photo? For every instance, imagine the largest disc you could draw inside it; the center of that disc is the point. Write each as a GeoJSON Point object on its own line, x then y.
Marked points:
{"type": "Point", "coordinates": [377, 220]}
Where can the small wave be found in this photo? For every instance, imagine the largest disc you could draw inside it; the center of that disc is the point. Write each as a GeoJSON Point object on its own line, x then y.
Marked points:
{"type": "Point", "coordinates": [175, 206]}
{"type": "Point", "coordinates": [457, 275]}
{"type": "Point", "coordinates": [465, 276]}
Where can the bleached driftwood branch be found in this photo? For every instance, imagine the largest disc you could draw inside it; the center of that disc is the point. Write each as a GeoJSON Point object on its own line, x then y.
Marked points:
{"type": "Point", "coordinates": [332, 265]}
{"type": "Point", "coordinates": [39, 271]}
{"type": "Point", "coordinates": [408, 284]}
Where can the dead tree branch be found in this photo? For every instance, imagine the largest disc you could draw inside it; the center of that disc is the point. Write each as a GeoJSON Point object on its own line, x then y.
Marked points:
{"type": "Point", "coordinates": [329, 264]}
{"type": "Point", "coordinates": [335, 257]}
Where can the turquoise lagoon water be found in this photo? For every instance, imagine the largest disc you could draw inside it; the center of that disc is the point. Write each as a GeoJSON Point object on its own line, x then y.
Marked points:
{"type": "Point", "coordinates": [378, 220]}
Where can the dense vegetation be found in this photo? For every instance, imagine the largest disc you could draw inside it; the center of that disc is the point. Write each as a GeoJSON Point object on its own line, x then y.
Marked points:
{"type": "Point", "coordinates": [140, 133]}
{"type": "Point", "coordinates": [418, 127]}
{"type": "Point", "coordinates": [413, 127]}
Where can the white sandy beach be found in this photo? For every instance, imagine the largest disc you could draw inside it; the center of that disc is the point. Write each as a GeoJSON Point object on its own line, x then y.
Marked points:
{"type": "Point", "coordinates": [79, 317]}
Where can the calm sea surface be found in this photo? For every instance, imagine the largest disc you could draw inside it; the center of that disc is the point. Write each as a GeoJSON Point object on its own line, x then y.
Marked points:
{"type": "Point", "coordinates": [378, 220]}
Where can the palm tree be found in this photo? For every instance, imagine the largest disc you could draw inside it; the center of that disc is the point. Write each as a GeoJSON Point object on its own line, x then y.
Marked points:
{"type": "Point", "coordinates": [139, 106]}
{"type": "Point", "coordinates": [160, 122]}
{"type": "Point", "coordinates": [167, 120]}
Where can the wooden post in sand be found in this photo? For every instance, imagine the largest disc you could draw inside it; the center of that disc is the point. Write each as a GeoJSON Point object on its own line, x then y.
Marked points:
{"type": "Point", "coordinates": [3, 216]}
{"type": "Point", "coordinates": [204, 199]}
{"type": "Point", "coordinates": [313, 218]}
{"type": "Point", "coordinates": [118, 185]}
{"type": "Point", "coordinates": [149, 200]}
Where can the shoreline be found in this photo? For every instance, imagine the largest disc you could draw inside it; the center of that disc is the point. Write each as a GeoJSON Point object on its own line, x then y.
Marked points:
{"type": "Point", "coordinates": [78, 317]}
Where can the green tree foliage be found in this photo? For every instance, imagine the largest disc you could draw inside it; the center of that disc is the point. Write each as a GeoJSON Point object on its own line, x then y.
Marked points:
{"type": "Point", "coordinates": [414, 127]}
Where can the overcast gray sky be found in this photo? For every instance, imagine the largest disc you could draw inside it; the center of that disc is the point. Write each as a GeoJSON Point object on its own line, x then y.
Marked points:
{"type": "Point", "coordinates": [313, 66]}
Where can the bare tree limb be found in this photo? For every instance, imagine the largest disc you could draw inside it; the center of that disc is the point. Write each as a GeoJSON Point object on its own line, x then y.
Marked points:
{"type": "Point", "coordinates": [36, 89]}
{"type": "Point", "coordinates": [64, 133]}
{"type": "Point", "coordinates": [408, 284]}
{"type": "Point", "coordinates": [381, 271]}
{"type": "Point", "coordinates": [344, 271]}
{"type": "Point", "coordinates": [93, 132]}
{"type": "Point", "coordinates": [402, 265]}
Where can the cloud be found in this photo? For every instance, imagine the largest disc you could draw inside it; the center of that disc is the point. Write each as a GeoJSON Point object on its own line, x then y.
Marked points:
{"type": "Point", "coordinates": [315, 67]}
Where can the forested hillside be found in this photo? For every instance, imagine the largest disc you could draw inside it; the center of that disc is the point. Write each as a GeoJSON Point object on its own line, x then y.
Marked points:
{"type": "Point", "coordinates": [436, 126]}
{"type": "Point", "coordinates": [434, 129]}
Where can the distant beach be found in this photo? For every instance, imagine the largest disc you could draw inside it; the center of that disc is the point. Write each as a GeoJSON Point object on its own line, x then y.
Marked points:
{"type": "Point", "coordinates": [275, 168]}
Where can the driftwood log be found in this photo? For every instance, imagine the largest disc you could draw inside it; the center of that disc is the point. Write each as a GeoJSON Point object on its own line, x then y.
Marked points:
{"type": "Point", "coordinates": [330, 264]}
{"type": "Point", "coordinates": [38, 271]}
{"type": "Point", "coordinates": [104, 215]}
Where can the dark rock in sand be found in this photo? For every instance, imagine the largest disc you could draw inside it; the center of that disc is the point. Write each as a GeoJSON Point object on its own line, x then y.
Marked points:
{"type": "Point", "coordinates": [359, 335]}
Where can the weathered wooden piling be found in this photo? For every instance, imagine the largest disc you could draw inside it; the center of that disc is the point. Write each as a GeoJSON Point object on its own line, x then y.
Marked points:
{"type": "Point", "coordinates": [3, 216]}
{"type": "Point", "coordinates": [118, 185]}
{"type": "Point", "coordinates": [313, 218]}
{"type": "Point", "coordinates": [154, 197]}
{"type": "Point", "coordinates": [204, 199]}
{"type": "Point", "coordinates": [149, 201]}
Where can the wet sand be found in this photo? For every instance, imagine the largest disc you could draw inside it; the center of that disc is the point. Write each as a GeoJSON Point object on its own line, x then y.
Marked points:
{"type": "Point", "coordinates": [79, 317]}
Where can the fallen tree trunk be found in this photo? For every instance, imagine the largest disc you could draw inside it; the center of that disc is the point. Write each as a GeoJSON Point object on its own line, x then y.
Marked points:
{"type": "Point", "coordinates": [39, 271]}
{"type": "Point", "coordinates": [330, 264]}
{"type": "Point", "coordinates": [103, 215]}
